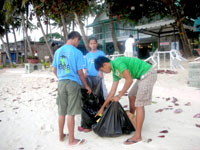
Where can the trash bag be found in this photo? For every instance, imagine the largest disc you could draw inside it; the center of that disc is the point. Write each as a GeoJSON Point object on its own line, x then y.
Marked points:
{"type": "Point", "coordinates": [91, 103]}
{"type": "Point", "coordinates": [114, 122]}
{"type": "Point", "coordinates": [95, 83]}
{"type": "Point", "coordinates": [90, 107]}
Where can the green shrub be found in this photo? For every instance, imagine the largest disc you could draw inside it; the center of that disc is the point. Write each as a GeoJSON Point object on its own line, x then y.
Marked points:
{"type": "Point", "coordinates": [2, 66]}
{"type": "Point", "coordinates": [32, 57]}
{"type": "Point", "coordinates": [13, 66]}
{"type": "Point", "coordinates": [46, 64]}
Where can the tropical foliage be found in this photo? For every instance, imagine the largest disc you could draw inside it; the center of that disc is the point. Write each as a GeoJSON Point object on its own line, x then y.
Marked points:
{"type": "Point", "coordinates": [18, 14]}
{"type": "Point", "coordinates": [180, 10]}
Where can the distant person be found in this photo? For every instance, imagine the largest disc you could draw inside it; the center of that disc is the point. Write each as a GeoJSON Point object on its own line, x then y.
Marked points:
{"type": "Point", "coordinates": [140, 94]}
{"type": "Point", "coordinates": [129, 47]}
{"type": "Point", "coordinates": [68, 67]}
{"type": "Point", "coordinates": [90, 70]}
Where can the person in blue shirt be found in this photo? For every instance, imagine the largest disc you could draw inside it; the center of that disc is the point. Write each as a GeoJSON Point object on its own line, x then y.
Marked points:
{"type": "Point", "coordinates": [90, 57]}
{"type": "Point", "coordinates": [90, 69]}
{"type": "Point", "coordinates": [68, 66]}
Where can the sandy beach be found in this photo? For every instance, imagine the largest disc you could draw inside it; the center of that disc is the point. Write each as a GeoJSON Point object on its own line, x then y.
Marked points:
{"type": "Point", "coordinates": [28, 114]}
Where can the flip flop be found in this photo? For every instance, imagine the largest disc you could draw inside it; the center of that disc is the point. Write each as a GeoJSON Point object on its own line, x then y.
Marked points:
{"type": "Point", "coordinates": [131, 142]}
{"type": "Point", "coordinates": [80, 142]}
{"type": "Point", "coordinates": [80, 129]}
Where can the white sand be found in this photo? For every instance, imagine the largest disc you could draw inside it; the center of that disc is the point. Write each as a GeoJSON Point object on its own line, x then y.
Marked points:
{"type": "Point", "coordinates": [28, 115]}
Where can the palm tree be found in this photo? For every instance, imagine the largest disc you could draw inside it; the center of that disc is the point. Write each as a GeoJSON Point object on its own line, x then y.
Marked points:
{"type": "Point", "coordinates": [19, 8]}
{"type": "Point", "coordinates": [4, 29]}
{"type": "Point", "coordinates": [7, 51]}
{"type": "Point", "coordinates": [81, 26]}
{"type": "Point", "coordinates": [45, 38]}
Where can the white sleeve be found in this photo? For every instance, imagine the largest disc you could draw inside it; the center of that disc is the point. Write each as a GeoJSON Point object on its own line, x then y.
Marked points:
{"type": "Point", "coordinates": [133, 41]}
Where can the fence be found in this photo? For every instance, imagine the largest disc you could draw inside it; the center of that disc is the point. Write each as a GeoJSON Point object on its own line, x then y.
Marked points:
{"type": "Point", "coordinates": [166, 59]}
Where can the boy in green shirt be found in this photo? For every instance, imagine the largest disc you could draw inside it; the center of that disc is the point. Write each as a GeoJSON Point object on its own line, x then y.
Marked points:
{"type": "Point", "coordinates": [140, 94]}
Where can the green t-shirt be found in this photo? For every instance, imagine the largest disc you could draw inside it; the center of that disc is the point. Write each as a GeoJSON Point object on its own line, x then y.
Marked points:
{"type": "Point", "coordinates": [135, 66]}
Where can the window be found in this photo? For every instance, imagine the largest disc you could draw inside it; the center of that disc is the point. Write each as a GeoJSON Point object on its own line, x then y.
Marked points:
{"type": "Point", "coordinates": [97, 30]}
{"type": "Point", "coordinates": [107, 31]}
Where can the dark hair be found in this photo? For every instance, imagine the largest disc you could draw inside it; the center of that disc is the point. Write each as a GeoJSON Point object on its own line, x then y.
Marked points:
{"type": "Point", "coordinates": [73, 35]}
{"type": "Point", "coordinates": [92, 38]}
{"type": "Point", "coordinates": [131, 36]}
{"type": "Point", "coordinates": [99, 62]}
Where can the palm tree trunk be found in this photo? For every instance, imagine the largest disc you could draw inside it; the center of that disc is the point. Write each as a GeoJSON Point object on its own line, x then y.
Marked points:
{"type": "Point", "coordinates": [113, 33]}
{"type": "Point", "coordinates": [81, 25]}
{"type": "Point", "coordinates": [50, 29]}
{"type": "Point", "coordinates": [187, 49]}
{"type": "Point", "coordinates": [26, 36]}
{"type": "Point", "coordinates": [47, 26]}
{"type": "Point", "coordinates": [7, 42]}
{"type": "Point", "coordinates": [16, 48]}
{"type": "Point", "coordinates": [112, 29]}
{"type": "Point", "coordinates": [64, 27]}
{"type": "Point", "coordinates": [7, 51]}
{"type": "Point", "coordinates": [45, 38]}
{"type": "Point", "coordinates": [25, 49]}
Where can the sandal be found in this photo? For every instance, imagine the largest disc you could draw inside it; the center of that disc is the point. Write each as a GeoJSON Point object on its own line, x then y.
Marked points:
{"type": "Point", "coordinates": [130, 142]}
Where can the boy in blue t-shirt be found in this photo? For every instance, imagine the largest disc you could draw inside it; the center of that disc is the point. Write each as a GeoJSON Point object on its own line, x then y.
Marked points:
{"type": "Point", "coordinates": [91, 56]}
{"type": "Point", "coordinates": [68, 67]}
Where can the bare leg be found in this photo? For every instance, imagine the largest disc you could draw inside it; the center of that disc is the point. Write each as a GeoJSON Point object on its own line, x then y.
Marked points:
{"type": "Point", "coordinates": [61, 123]}
{"type": "Point", "coordinates": [140, 113]}
{"type": "Point", "coordinates": [70, 125]}
{"type": "Point", "coordinates": [132, 104]}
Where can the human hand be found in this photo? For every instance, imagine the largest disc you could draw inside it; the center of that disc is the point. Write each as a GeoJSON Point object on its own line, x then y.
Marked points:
{"type": "Point", "coordinates": [89, 91]}
{"type": "Point", "coordinates": [100, 112]}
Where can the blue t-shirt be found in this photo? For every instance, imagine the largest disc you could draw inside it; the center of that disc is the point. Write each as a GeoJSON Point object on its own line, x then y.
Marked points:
{"type": "Point", "coordinates": [68, 60]}
{"type": "Point", "coordinates": [89, 62]}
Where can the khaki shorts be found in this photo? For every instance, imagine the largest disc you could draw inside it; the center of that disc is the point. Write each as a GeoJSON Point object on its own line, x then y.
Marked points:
{"type": "Point", "coordinates": [143, 88]}
{"type": "Point", "coordinates": [69, 98]}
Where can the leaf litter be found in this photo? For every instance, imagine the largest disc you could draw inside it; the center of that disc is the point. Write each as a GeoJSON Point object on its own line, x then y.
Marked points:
{"type": "Point", "coordinates": [197, 115]}
{"type": "Point", "coordinates": [177, 111]}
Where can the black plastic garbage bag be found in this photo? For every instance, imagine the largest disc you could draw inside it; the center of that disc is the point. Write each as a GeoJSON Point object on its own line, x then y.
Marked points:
{"type": "Point", "coordinates": [114, 122]}
{"type": "Point", "coordinates": [91, 103]}
{"type": "Point", "coordinates": [95, 83]}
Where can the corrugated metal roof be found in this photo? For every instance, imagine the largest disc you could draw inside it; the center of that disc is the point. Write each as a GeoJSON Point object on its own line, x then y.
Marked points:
{"type": "Point", "coordinates": [161, 28]}
{"type": "Point", "coordinates": [155, 24]}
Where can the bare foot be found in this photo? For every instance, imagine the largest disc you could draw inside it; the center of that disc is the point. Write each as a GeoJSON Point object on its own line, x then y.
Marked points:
{"type": "Point", "coordinates": [77, 142]}
{"type": "Point", "coordinates": [87, 130]}
{"type": "Point", "coordinates": [62, 137]}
